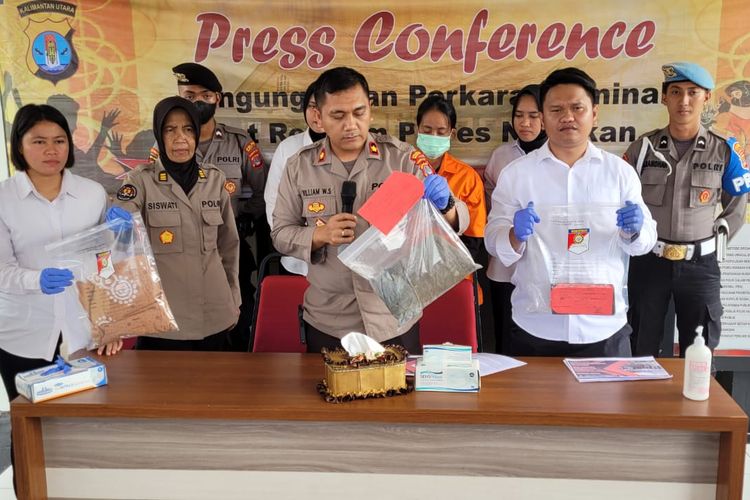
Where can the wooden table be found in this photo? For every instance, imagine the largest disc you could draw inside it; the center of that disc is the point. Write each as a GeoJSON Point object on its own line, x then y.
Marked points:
{"type": "Point", "coordinates": [260, 412]}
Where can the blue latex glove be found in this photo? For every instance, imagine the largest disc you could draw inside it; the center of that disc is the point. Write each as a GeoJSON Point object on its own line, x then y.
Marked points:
{"type": "Point", "coordinates": [523, 222]}
{"type": "Point", "coordinates": [437, 191]}
{"type": "Point", "coordinates": [630, 218]}
{"type": "Point", "coordinates": [120, 218]}
{"type": "Point", "coordinates": [54, 280]}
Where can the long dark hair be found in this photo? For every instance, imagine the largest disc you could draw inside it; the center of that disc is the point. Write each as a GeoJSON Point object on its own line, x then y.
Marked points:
{"type": "Point", "coordinates": [25, 119]}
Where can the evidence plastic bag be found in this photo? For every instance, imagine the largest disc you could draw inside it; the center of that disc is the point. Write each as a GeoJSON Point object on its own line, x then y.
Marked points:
{"type": "Point", "coordinates": [116, 280]}
{"type": "Point", "coordinates": [420, 259]}
{"type": "Point", "coordinates": [575, 262]}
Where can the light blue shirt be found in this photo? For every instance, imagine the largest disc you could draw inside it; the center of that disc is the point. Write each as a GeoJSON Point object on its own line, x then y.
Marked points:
{"type": "Point", "coordinates": [32, 321]}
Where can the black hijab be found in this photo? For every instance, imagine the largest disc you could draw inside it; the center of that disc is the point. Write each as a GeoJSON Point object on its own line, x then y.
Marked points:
{"type": "Point", "coordinates": [533, 91]}
{"type": "Point", "coordinates": [314, 136]}
{"type": "Point", "coordinates": [186, 173]}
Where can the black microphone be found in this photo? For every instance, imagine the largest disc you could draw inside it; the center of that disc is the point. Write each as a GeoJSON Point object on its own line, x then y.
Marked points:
{"type": "Point", "coordinates": [348, 194]}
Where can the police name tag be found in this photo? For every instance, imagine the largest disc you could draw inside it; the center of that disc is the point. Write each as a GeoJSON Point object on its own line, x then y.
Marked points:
{"type": "Point", "coordinates": [582, 298]}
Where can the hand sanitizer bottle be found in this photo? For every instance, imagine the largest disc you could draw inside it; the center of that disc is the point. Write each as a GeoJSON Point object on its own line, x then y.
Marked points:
{"type": "Point", "coordinates": [697, 369]}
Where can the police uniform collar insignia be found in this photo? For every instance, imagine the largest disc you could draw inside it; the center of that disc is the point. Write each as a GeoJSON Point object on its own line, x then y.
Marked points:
{"type": "Point", "coordinates": [163, 176]}
{"type": "Point", "coordinates": [218, 132]}
{"type": "Point", "coordinates": [373, 149]}
{"type": "Point", "coordinates": [701, 142]}
{"type": "Point", "coordinates": [201, 173]}
{"type": "Point", "coordinates": [663, 143]}
{"type": "Point", "coordinates": [322, 156]}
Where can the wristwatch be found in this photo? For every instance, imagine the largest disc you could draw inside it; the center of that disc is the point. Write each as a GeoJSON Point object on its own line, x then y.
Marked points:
{"type": "Point", "coordinates": [451, 204]}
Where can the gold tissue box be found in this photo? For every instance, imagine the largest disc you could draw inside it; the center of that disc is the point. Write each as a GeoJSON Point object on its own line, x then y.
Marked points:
{"type": "Point", "coordinates": [356, 377]}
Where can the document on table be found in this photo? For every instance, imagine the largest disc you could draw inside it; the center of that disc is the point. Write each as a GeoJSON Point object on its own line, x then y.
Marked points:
{"type": "Point", "coordinates": [616, 369]}
{"type": "Point", "coordinates": [488, 363]}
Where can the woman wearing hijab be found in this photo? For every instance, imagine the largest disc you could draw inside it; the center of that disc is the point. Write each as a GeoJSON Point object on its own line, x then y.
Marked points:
{"type": "Point", "coordinates": [527, 125]}
{"type": "Point", "coordinates": [192, 231]}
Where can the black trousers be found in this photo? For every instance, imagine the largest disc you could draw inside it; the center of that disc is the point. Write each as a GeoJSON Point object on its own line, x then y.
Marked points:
{"type": "Point", "coordinates": [316, 340]}
{"type": "Point", "coordinates": [239, 336]}
{"type": "Point", "coordinates": [695, 286]}
{"type": "Point", "coordinates": [10, 366]}
{"type": "Point", "coordinates": [617, 345]}
{"type": "Point", "coordinates": [215, 342]}
{"type": "Point", "coordinates": [503, 314]}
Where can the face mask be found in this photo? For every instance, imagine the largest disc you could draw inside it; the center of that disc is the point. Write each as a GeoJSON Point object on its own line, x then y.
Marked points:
{"type": "Point", "coordinates": [433, 145]}
{"type": "Point", "coordinates": [205, 111]}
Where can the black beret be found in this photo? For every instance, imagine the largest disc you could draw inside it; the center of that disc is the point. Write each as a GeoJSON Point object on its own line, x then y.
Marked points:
{"type": "Point", "coordinates": [196, 74]}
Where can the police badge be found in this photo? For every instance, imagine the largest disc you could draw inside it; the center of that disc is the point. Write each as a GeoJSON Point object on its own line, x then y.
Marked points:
{"type": "Point", "coordinates": [578, 240]}
{"type": "Point", "coordinates": [50, 54]}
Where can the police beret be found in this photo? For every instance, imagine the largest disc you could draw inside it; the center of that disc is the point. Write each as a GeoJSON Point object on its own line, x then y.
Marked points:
{"type": "Point", "coordinates": [687, 72]}
{"type": "Point", "coordinates": [196, 74]}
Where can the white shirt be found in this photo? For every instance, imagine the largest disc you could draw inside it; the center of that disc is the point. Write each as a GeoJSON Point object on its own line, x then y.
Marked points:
{"type": "Point", "coordinates": [284, 151]}
{"type": "Point", "coordinates": [32, 321]}
{"type": "Point", "coordinates": [598, 177]}
{"type": "Point", "coordinates": [501, 158]}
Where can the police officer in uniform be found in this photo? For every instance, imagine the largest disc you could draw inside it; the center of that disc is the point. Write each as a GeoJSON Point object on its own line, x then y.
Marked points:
{"type": "Point", "coordinates": [685, 171]}
{"type": "Point", "coordinates": [232, 151]}
{"type": "Point", "coordinates": [189, 216]}
{"type": "Point", "coordinates": [309, 223]}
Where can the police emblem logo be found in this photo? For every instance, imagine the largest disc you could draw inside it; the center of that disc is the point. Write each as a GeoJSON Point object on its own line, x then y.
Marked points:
{"type": "Point", "coordinates": [162, 176]}
{"type": "Point", "coordinates": [127, 192]}
{"type": "Point", "coordinates": [253, 154]}
{"type": "Point", "coordinates": [740, 152]}
{"type": "Point", "coordinates": [201, 173]}
{"type": "Point", "coordinates": [50, 54]}
{"type": "Point", "coordinates": [230, 186]}
{"type": "Point", "coordinates": [166, 237]}
{"type": "Point", "coordinates": [669, 71]}
{"type": "Point", "coordinates": [578, 240]}
{"type": "Point", "coordinates": [181, 77]}
{"type": "Point", "coordinates": [704, 196]}
{"type": "Point", "coordinates": [316, 207]}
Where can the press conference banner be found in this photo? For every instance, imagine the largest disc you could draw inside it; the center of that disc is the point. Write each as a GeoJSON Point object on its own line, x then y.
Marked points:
{"type": "Point", "coordinates": [106, 63]}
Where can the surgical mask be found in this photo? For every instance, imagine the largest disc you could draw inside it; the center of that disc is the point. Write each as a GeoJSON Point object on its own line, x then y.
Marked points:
{"type": "Point", "coordinates": [205, 111]}
{"type": "Point", "coordinates": [433, 146]}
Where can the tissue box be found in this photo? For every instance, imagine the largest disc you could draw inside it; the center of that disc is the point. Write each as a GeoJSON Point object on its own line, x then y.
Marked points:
{"type": "Point", "coordinates": [348, 377]}
{"type": "Point", "coordinates": [51, 382]}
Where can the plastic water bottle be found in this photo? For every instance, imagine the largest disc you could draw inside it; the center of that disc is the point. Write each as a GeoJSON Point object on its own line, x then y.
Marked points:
{"type": "Point", "coordinates": [697, 369]}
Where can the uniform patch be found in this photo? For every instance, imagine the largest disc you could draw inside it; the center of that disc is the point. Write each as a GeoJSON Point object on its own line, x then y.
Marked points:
{"type": "Point", "coordinates": [153, 155]}
{"type": "Point", "coordinates": [166, 237]}
{"type": "Point", "coordinates": [162, 177]}
{"type": "Point", "coordinates": [316, 207]}
{"type": "Point", "coordinates": [374, 148]}
{"type": "Point", "coordinates": [740, 152]}
{"type": "Point", "coordinates": [625, 157]}
{"type": "Point", "coordinates": [421, 161]}
{"type": "Point", "coordinates": [663, 143]}
{"type": "Point", "coordinates": [701, 143]}
{"type": "Point", "coordinates": [230, 187]}
{"type": "Point", "coordinates": [578, 240]}
{"type": "Point", "coordinates": [705, 196]}
{"type": "Point", "coordinates": [322, 154]}
{"type": "Point", "coordinates": [669, 71]}
{"type": "Point", "coordinates": [253, 154]}
{"type": "Point", "coordinates": [201, 174]}
{"type": "Point", "coordinates": [127, 192]}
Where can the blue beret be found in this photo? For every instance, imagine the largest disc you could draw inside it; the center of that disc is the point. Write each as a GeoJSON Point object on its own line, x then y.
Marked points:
{"type": "Point", "coordinates": [196, 74]}
{"type": "Point", "coordinates": [687, 72]}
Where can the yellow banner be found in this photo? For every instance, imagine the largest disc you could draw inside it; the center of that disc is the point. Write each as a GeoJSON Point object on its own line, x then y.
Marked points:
{"type": "Point", "coordinates": [106, 63]}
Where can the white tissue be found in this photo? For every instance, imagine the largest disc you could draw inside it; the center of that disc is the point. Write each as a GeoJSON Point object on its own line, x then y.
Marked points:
{"type": "Point", "coordinates": [357, 343]}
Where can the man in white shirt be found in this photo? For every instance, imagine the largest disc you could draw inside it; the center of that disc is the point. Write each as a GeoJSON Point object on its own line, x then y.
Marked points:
{"type": "Point", "coordinates": [284, 151]}
{"type": "Point", "coordinates": [567, 171]}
